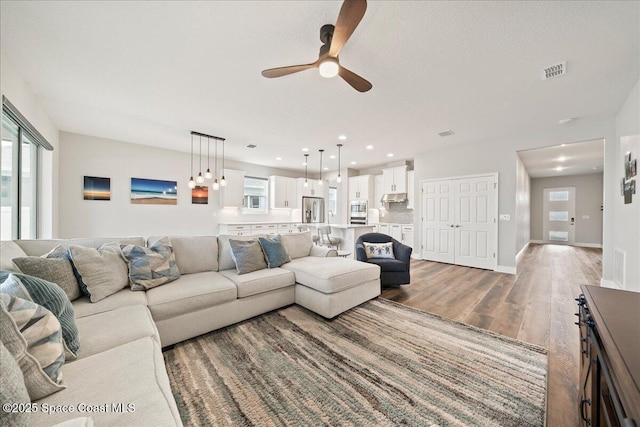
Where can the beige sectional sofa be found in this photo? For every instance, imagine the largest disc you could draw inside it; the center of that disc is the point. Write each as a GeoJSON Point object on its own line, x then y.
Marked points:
{"type": "Point", "coordinates": [122, 335]}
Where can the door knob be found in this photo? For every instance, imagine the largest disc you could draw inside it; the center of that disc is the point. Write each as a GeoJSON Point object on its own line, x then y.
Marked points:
{"type": "Point", "coordinates": [458, 226]}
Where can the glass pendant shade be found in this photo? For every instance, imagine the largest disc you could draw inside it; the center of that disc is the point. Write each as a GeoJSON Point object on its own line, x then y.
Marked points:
{"type": "Point", "coordinates": [208, 174]}
{"type": "Point", "coordinates": [200, 178]}
{"type": "Point", "coordinates": [339, 178]}
{"type": "Point", "coordinates": [192, 183]}
{"type": "Point", "coordinates": [223, 181]}
{"type": "Point", "coordinates": [216, 185]}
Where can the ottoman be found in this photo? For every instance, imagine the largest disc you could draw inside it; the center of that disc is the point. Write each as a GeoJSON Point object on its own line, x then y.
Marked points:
{"type": "Point", "coordinates": [330, 286]}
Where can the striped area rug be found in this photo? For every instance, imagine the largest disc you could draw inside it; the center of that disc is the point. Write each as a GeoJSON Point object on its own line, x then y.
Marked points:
{"type": "Point", "coordinates": [379, 364]}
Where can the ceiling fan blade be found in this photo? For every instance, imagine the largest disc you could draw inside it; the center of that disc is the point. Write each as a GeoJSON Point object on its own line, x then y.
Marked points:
{"type": "Point", "coordinates": [351, 14]}
{"type": "Point", "coordinates": [357, 82]}
{"type": "Point", "coordinates": [284, 71]}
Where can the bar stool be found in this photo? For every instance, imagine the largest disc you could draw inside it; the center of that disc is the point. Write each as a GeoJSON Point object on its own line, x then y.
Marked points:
{"type": "Point", "coordinates": [325, 239]}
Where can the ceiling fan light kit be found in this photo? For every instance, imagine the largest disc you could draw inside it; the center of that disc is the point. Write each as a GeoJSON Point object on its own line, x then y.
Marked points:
{"type": "Point", "coordinates": [333, 38]}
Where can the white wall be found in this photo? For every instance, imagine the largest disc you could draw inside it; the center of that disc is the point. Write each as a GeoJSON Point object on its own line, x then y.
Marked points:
{"type": "Point", "coordinates": [86, 155]}
{"type": "Point", "coordinates": [499, 155]}
{"type": "Point", "coordinates": [523, 205]}
{"type": "Point", "coordinates": [18, 92]}
{"type": "Point", "coordinates": [626, 233]}
{"type": "Point", "coordinates": [588, 202]}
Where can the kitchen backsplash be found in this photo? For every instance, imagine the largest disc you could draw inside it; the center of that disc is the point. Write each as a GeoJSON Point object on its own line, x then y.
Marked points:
{"type": "Point", "coordinates": [396, 213]}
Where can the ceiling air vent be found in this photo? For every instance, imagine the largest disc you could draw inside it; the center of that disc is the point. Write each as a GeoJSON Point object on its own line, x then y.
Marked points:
{"type": "Point", "coordinates": [554, 71]}
{"type": "Point", "coordinates": [446, 133]}
{"type": "Point", "coordinates": [251, 146]}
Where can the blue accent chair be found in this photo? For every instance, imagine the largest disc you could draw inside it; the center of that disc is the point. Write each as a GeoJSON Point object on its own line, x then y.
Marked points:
{"type": "Point", "coordinates": [393, 272]}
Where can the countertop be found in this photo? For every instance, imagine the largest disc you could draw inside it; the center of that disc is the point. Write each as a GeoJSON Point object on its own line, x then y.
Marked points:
{"type": "Point", "coordinates": [297, 223]}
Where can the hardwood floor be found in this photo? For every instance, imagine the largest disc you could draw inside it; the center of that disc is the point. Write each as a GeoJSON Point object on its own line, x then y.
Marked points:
{"type": "Point", "coordinates": [536, 306]}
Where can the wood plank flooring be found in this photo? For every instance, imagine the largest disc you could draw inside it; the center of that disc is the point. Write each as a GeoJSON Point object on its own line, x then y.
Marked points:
{"type": "Point", "coordinates": [536, 306]}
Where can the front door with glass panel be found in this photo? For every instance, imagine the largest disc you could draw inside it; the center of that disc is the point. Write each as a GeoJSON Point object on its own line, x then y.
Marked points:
{"type": "Point", "coordinates": [559, 215]}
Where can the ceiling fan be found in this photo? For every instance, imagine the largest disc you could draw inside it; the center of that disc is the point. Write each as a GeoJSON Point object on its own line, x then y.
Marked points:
{"type": "Point", "coordinates": [333, 39]}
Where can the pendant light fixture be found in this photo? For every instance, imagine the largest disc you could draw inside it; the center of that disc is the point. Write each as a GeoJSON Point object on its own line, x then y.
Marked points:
{"type": "Point", "coordinates": [192, 183]}
{"type": "Point", "coordinates": [216, 185]}
{"type": "Point", "coordinates": [200, 178]}
{"type": "Point", "coordinates": [208, 174]}
{"type": "Point", "coordinates": [306, 168]}
{"type": "Point", "coordinates": [320, 180]}
{"type": "Point", "coordinates": [339, 177]}
{"type": "Point", "coordinates": [223, 182]}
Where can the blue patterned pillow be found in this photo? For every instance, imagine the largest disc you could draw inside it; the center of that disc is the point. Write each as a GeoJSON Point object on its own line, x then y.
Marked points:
{"type": "Point", "coordinates": [274, 251]}
{"type": "Point", "coordinates": [379, 250]}
{"type": "Point", "coordinates": [34, 337]}
{"type": "Point", "coordinates": [248, 255]}
{"type": "Point", "coordinates": [53, 298]}
{"type": "Point", "coordinates": [151, 267]}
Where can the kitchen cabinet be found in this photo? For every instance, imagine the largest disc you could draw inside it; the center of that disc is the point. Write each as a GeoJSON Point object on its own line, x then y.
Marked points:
{"type": "Point", "coordinates": [395, 231]}
{"type": "Point", "coordinates": [264, 229]}
{"type": "Point", "coordinates": [395, 179]}
{"type": "Point", "coordinates": [283, 192]}
{"type": "Point", "coordinates": [313, 188]}
{"type": "Point", "coordinates": [232, 194]}
{"type": "Point", "coordinates": [235, 230]}
{"type": "Point", "coordinates": [383, 229]}
{"type": "Point", "coordinates": [410, 190]}
{"type": "Point", "coordinates": [407, 235]}
{"type": "Point", "coordinates": [360, 188]}
{"type": "Point", "coordinates": [378, 192]}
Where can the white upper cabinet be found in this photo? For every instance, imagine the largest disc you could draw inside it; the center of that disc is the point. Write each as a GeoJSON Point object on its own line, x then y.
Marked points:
{"type": "Point", "coordinates": [360, 188]}
{"type": "Point", "coordinates": [231, 195]}
{"type": "Point", "coordinates": [395, 179]}
{"type": "Point", "coordinates": [378, 192]}
{"type": "Point", "coordinates": [313, 188]}
{"type": "Point", "coordinates": [410, 190]}
{"type": "Point", "coordinates": [283, 192]}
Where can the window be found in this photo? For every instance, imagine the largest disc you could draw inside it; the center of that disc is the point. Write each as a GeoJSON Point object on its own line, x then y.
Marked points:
{"type": "Point", "coordinates": [558, 196]}
{"type": "Point", "coordinates": [256, 191]}
{"type": "Point", "coordinates": [332, 204]}
{"type": "Point", "coordinates": [19, 154]}
{"type": "Point", "coordinates": [558, 216]}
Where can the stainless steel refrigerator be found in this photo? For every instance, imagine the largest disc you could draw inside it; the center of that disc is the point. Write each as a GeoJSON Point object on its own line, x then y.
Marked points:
{"type": "Point", "coordinates": [312, 210]}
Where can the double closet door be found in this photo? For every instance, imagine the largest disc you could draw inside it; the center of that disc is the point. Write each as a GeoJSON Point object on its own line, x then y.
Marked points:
{"type": "Point", "coordinates": [459, 221]}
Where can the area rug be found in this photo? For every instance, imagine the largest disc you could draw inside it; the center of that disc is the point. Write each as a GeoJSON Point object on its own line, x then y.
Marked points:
{"type": "Point", "coordinates": [378, 364]}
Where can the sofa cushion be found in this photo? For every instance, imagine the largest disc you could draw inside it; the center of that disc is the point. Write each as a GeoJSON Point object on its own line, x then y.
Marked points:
{"type": "Point", "coordinates": [378, 250]}
{"type": "Point", "coordinates": [330, 275]}
{"type": "Point", "coordinates": [389, 265]}
{"type": "Point", "coordinates": [260, 281]}
{"type": "Point", "coordinates": [131, 373]}
{"type": "Point", "coordinates": [191, 292]}
{"type": "Point", "coordinates": [298, 244]}
{"type": "Point", "coordinates": [33, 336]}
{"type": "Point", "coordinates": [225, 258]}
{"type": "Point", "coordinates": [52, 297]}
{"type": "Point", "coordinates": [104, 271]}
{"type": "Point", "coordinates": [274, 251]}
{"type": "Point", "coordinates": [9, 250]}
{"type": "Point", "coordinates": [103, 331]}
{"type": "Point", "coordinates": [56, 270]}
{"type": "Point", "coordinates": [152, 266]}
{"type": "Point", "coordinates": [194, 254]}
{"type": "Point", "coordinates": [124, 298]}
{"type": "Point", "coordinates": [247, 255]}
{"type": "Point", "coordinates": [43, 246]}
{"type": "Point", "coordinates": [12, 389]}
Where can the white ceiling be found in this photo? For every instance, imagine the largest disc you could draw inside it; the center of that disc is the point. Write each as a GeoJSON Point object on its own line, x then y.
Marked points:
{"type": "Point", "coordinates": [575, 159]}
{"type": "Point", "coordinates": [150, 72]}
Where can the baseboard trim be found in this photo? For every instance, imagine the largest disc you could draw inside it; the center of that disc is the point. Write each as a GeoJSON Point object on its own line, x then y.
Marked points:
{"type": "Point", "coordinates": [504, 269]}
{"type": "Point", "coordinates": [521, 253]}
{"type": "Point", "coordinates": [583, 245]}
{"type": "Point", "coordinates": [538, 242]}
{"type": "Point", "coordinates": [609, 284]}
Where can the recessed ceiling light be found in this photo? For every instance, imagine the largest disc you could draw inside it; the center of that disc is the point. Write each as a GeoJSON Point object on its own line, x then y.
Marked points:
{"type": "Point", "coordinates": [562, 159]}
{"type": "Point", "coordinates": [342, 137]}
{"type": "Point", "coordinates": [251, 146]}
{"type": "Point", "coordinates": [332, 156]}
{"type": "Point", "coordinates": [369, 147]}
{"type": "Point", "coordinates": [563, 145]}
{"type": "Point", "coordinates": [595, 167]}
{"type": "Point", "coordinates": [559, 168]}
{"type": "Point", "coordinates": [566, 121]}
{"type": "Point", "coordinates": [325, 168]}
{"type": "Point", "coordinates": [390, 155]}
{"type": "Point", "coordinates": [305, 149]}
{"type": "Point", "coordinates": [278, 158]}
{"type": "Point", "coordinates": [353, 163]}
{"type": "Point", "coordinates": [304, 163]}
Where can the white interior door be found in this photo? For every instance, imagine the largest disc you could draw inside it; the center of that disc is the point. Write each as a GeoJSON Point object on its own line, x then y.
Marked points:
{"type": "Point", "coordinates": [559, 215]}
{"type": "Point", "coordinates": [438, 207]}
{"type": "Point", "coordinates": [475, 222]}
{"type": "Point", "coordinates": [459, 221]}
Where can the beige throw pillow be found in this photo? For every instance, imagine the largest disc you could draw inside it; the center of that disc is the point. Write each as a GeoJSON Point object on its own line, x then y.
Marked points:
{"type": "Point", "coordinates": [298, 245]}
{"type": "Point", "coordinates": [104, 271]}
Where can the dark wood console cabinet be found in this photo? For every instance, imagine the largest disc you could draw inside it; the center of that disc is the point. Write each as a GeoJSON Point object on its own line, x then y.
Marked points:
{"type": "Point", "coordinates": [609, 322]}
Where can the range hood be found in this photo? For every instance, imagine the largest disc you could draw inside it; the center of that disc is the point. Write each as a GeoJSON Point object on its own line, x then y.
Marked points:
{"type": "Point", "coordinates": [394, 198]}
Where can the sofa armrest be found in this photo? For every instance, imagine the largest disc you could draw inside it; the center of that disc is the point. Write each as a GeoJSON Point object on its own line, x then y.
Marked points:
{"type": "Point", "coordinates": [403, 252]}
{"type": "Point", "coordinates": [361, 254]}
{"type": "Point", "coordinates": [323, 251]}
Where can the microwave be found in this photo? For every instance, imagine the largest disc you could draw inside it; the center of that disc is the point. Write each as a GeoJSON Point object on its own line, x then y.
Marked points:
{"type": "Point", "coordinates": [358, 212]}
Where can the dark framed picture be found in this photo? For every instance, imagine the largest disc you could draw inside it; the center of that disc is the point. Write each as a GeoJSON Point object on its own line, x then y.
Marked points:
{"type": "Point", "coordinates": [633, 170]}
{"type": "Point", "coordinates": [622, 181]}
{"type": "Point", "coordinates": [633, 186]}
{"type": "Point", "coordinates": [200, 195]}
{"type": "Point", "coordinates": [153, 192]}
{"type": "Point", "coordinates": [96, 188]}
{"type": "Point", "coordinates": [627, 165]}
{"type": "Point", "coordinates": [627, 193]}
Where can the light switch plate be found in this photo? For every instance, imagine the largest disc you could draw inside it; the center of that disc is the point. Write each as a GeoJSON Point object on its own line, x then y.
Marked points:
{"type": "Point", "coordinates": [505, 217]}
